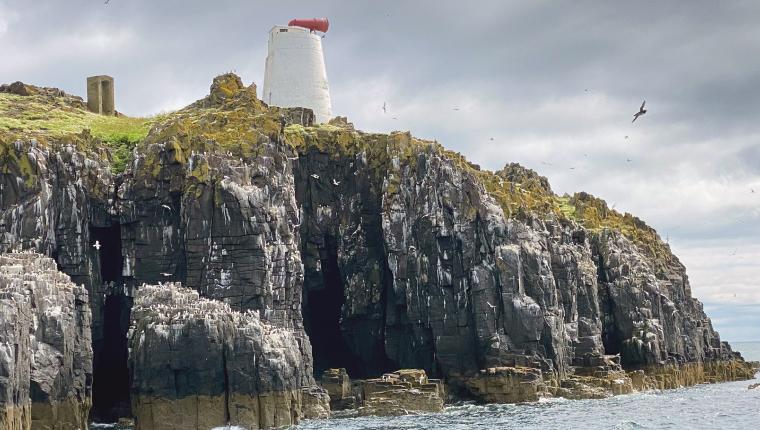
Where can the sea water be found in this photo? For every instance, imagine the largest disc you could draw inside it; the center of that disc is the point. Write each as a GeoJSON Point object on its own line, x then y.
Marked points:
{"type": "Point", "coordinates": [727, 405]}
{"type": "Point", "coordinates": [708, 406]}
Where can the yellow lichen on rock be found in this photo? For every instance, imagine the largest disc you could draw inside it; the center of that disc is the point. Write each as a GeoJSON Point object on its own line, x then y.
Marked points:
{"type": "Point", "coordinates": [523, 384]}
{"type": "Point", "coordinates": [14, 417]}
{"type": "Point", "coordinates": [507, 384]}
{"type": "Point", "coordinates": [402, 392]}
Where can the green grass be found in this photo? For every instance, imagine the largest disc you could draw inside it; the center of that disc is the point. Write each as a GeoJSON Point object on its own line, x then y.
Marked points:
{"type": "Point", "coordinates": [121, 152]}
{"type": "Point", "coordinates": [566, 207]}
{"type": "Point", "coordinates": [54, 117]}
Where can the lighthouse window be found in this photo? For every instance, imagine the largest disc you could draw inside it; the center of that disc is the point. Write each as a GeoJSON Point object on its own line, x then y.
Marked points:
{"type": "Point", "coordinates": [283, 30]}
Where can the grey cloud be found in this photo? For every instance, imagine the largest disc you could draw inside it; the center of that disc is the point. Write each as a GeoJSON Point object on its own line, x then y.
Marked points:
{"type": "Point", "coordinates": [740, 322]}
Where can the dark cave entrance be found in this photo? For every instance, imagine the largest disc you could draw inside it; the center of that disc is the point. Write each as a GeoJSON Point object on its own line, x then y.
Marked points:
{"type": "Point", "coordinates": [611, 337]}
{"type": "Point", "coordinates": [322, 320]}
{"type": "Point", "coordinates": [109, 240]}
{"type": "Point", "coordinates": [111, 373]}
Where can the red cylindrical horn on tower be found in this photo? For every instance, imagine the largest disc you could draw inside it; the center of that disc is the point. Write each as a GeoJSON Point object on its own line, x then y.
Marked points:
{"type": "Point", "coordinates": [313, 24]}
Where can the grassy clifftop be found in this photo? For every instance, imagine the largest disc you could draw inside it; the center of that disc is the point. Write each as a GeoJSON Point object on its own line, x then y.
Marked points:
{"type": "Point", "coordinates": [55, 117]}
{"type": "Point", "coordinates": [48, 114]}
{"type": "Point", "coordinates": [232, 121]}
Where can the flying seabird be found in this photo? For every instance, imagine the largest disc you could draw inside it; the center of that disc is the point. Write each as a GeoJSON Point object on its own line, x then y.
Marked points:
{"type": "Point", "coordinates": [315, 176]}
{"type": "Point", "coordinates": [384, 108]}
{"type": "Point", "coordinates": [97, 245]}
{"type": "Point", "coordinates": [641, 111]}
{"type": "Point", "coordinates": [166, 206]}
{"type": "Point", "coordinates": [336, 183]}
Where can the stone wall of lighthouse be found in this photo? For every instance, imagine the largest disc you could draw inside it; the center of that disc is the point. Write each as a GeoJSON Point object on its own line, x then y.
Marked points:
{"type": "Point", "coordinates": [295, 73]}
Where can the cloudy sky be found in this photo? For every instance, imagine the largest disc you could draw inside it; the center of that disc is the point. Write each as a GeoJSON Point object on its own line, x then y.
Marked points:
{"type": "Point", "coordinates": [555, 84]}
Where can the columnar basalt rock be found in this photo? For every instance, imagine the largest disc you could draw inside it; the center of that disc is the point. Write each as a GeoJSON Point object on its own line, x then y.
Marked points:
{"type": "Point", "coordinates": [338, 386]}
{"type": "Point", "coordinates": [452, 283]}
{"type": "Point", "coordinates": [406, 391]}
{"type": "Point", "coordinates": [196, 363]}
{"type": "Point", "coordinates": [507, 385]}
{"type": "Point", "coordinates": [457, 286]}
{"type": "Point", "coordinates": [55, 196]}
{"type": "Point", "coordinates": [315, 403]}
{"type": "Point", "coordinates": [215, 208]}
{"type": "Point", "coordinates": [598, 377]}
{"type": "Point", "coordinates": [653, 318]}
{"type": "Point", "coordinates": [45, 346]}
{"type": "Point", "coordinates": [374, 252]}
{"type": "Point", "coordinates": [688, 374]}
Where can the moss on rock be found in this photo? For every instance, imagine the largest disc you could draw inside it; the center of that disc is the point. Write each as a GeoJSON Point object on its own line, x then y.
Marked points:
{"type": "Point", "coordinates": [49, 115]}
{"type": "Point", "coordinates": [232, 122]}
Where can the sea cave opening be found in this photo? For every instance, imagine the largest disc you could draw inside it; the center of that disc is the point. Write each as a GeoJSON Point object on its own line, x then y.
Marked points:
{"type": "Point", "coordinates": [107, 242]}
{"type": "Point", "coordinates": [110, 373]}
{"type": "Point", "coordinates": [322, 319]}
{"type": "Point", "coordinates": [611, 336]}
{"type": "Point", "coordinates": [611, 341]}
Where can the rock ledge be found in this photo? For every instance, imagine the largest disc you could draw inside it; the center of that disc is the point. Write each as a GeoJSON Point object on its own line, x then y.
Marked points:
{"type": "Point", "coordinates": [45, 346]}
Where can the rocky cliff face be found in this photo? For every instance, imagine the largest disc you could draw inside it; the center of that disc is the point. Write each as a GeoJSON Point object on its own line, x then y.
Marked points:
{"type": "Point", "coordinates": [45, 346]}
{"type": "Point", "coordinates": [428, 263]}
{"type": "Point", "coordinates": [378, 251]}
{"type": "Point", "coordinates": [651, 317]}
{"type": "Point", "coordinates": [196, 363]}
{"type": "Point", "coordinates": [57, 198]}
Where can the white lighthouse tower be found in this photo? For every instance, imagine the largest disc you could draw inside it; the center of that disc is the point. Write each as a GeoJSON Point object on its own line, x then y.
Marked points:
{"type": "Point", "coordinates": [295, 73]}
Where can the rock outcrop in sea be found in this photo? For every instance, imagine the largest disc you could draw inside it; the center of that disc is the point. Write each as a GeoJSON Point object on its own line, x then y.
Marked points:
{"type": "Point", "coordinates": [45, 346]}
{"type": "Point", "coordinates": [196, 363]}
{"type": "Point", "coordinates": [301, 248]}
